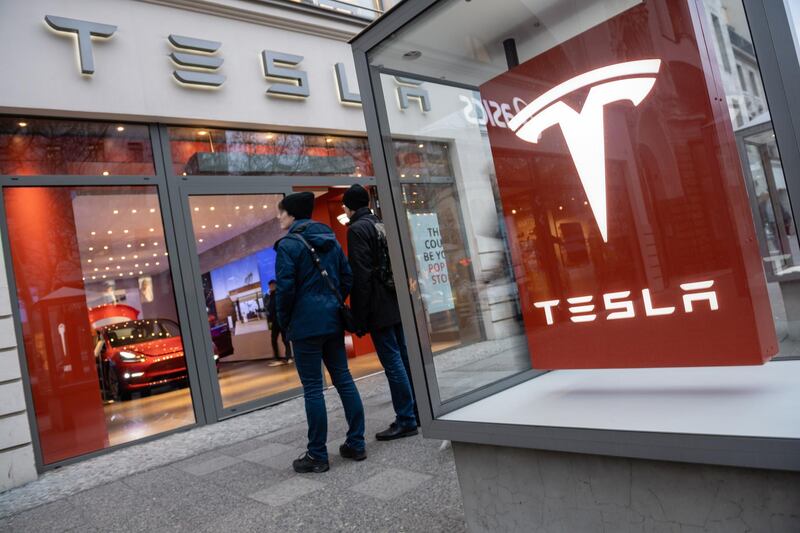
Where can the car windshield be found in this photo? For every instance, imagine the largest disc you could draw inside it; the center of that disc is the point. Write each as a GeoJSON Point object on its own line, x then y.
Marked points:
{"type": "Point", "coordinates": [138, 331]}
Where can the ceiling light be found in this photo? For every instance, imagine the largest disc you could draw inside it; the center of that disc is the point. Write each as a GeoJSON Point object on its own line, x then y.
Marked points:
{"type": "Point", "coordinates": [118, 267]}
{"type": "Point", "coordinates": [94, 233]}
{"type": "Point", "coordinates": [96, 269]}
{"type": "Point", "coordinates": [116, 211]}
{"type": "Point", "coordinates": [141, 245]}
{"type": "Point", "coordinates": [124, 231]}
{"type": "Point", "coordinates": [133, 211]}
{"type": "Point", "coordinates": [166, 253]}
{"type": "Point", "coordinates": [128, 245]}
{"type": "Point", "coordinates": [140, 272]}
{"type": "Point", "coordinates": [230, 225]}
{"type": "Point", "coordinates": [420, 146]}
{"type": "Point", "coordinates": [155, 255]}
{"type": "Point", "coordinates": [123, 258]}
{"type": "Point", "coordinates": [110, 232]}
{"type": "Point", "coordinates": [105, 173]}
{"type": "Point", "coordinates": [157, 263]}
{"type": "Point", "coordinates": [328, 140]}
{"type": "Point", "coordinates": [513, 211]}
{"type": "Point", "coordinates": [130, 273]}
{"type": "Point", "coordinates": [197, 209]}
{"type": "Point", "coordinates": [155, 244]}
{"type": "Point", "coordinates": [216, 225]}
{"type": "Point", "coordinates": [212, 208]}
{"type": "Point", "coordinates": [237, 207]}
{"type": "Point", "coordinates": [269, 136]}
{"type": "Point", "coordinates": [91, 248]}
{"type": "Point", "coordinates": [108, 268]}
{"type": "Point", "coordinates": [147, 264]}
{"type": "Point", "coordinates": [105, 247]}
{"type": "Point", "coordinates": [135, 256]}
{"type": "Point", "coordinates": [120, 128]}
{"type": "Point", "coordinates": [22, 124]}
{"type": "Point", "coordinates": [184, 173]}
{"type": "Point", "coordinates": [152, 209]}
{"type": "Point", "coordinates": [202, 132]}
{"type": "Point", "coordinates": [136, 265]}
{"type": "Point", "coordinates": [199, 240]}
{"type": "Point", "coordinates": [152, 230]}
{"type": "Point", "coordinates": [94, 277]}
{"type": "Point", "coordinates": [250, 207]}
{"type": "Point", "coordinates": [104, 276]}
{"type": "Point", "coordinates": [264, 206]}
{"type": "Point", "coordinates": [110, 258]}
{"type": "Point", "coordinates": [88, 260]}
{"type": "Point", "coordinates": [203, 226]}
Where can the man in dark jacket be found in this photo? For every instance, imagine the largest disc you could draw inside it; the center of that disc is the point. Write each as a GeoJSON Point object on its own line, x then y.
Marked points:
{"type": "Point", "coordinates": [274, 329]}
{"type": "Point", "coordinates": [308, 311]}
{"type": "Point", "coordinates": [375, 308]}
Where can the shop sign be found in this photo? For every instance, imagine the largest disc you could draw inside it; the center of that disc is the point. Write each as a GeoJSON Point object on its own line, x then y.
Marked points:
{"type": "Point", "coordinates": [198, 63]}
{"type": "Point", "coordinates": [434, 278]}
{"type": "Point", "coordinates": [643, 168]}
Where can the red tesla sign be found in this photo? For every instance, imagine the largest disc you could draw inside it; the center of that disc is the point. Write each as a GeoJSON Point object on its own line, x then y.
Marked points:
{"type": "Point", "coordinates": [631, 233]}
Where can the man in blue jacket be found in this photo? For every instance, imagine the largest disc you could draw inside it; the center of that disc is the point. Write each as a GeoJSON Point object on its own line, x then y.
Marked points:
{"type": "Point", "coordinates": [308, 311]}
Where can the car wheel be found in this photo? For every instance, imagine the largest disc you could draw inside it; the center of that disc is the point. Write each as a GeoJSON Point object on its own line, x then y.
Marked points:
{"type": "Point", "coordinates": [118, 394]}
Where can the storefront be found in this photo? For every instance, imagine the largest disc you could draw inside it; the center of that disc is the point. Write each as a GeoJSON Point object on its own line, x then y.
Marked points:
{"type": "Point", "coordinates": [143, 151]}
{"type": "Point", "coordinates": [625, 294]}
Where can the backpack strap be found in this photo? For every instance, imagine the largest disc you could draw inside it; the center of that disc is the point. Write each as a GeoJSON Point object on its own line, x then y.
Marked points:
{"type": "Point", "coordinates": [318, 263]}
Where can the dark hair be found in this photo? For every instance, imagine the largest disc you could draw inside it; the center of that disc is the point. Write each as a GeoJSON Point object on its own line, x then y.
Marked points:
{"type": "Point", "coordinates": [271, 282]}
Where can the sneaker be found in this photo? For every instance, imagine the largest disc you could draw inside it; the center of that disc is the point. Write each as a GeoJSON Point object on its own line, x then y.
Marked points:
{"type": "Point", "coordinates": [349, 453]}
{"type": "Point", "coordinates": [306, 464]}
{"type": "Point", "coordinates": [396, 432]}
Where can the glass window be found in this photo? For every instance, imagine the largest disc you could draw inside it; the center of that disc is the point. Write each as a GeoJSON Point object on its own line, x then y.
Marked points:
{"type": "Point", "coordinates": [31, 146]}
{"type": "Point", "coordinates": [793, 10]}
{"type": "Point", "coordinates": [592, 184]}
{"type": "Point", "coordinates": [100, 328]}
{"type": "Point", "coordinates": [366, 9]}
{"type": "Point", "coordinates": [763, 172]}
{"type": "Point", "coordinates": [204, 151]}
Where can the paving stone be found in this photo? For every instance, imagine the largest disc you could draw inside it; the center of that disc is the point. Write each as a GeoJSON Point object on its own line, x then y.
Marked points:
{"type": "Point", "coordinates": [208, 465]}
{"type": "Point", "coordinates": [265, 452]}
{"type": "Point", "coordinates": [246, 478]}
{"type": "Point", "coordinates": [288, 490]}
{"type": "Point", "coordinates": [390, 483]}
{"type": "Point", "coordinates": [116, 505]}
{"type": "Point", "coordinates": [283, 461]}
{"type": "Point", "coordinates": [57, 516]}
{"type": "Point", "coordinates": [235, 450]}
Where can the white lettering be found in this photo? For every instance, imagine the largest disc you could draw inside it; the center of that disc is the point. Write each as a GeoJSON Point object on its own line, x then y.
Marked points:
{"type": "Point", "coordinates": [548, 309]}
{"type": "Point", "coordinates": [649, 310]}
{"type": "Point", "coordinates": [581, 309]}
{"type": "Point", "coordinates": [710, 296]}
{"type": "Point", "coordinates": [627, 305]}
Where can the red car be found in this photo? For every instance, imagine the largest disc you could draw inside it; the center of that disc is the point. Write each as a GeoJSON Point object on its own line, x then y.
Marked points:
{"type": "Point", "coordinates": [138, 355]}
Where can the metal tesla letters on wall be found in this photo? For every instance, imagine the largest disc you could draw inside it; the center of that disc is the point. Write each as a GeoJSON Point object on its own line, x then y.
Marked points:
{"type": "Point", "coordinates": [626, 208]}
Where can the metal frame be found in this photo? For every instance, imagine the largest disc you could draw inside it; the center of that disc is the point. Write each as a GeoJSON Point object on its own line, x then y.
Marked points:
{"type": "Point", "coordinates": [772, 38]}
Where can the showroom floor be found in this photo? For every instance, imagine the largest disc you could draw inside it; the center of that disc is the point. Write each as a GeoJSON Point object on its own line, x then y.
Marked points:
{"type": "Point", "coordinates": [236, 476]}
{"type": "Point", "coordinates": [240, 382]}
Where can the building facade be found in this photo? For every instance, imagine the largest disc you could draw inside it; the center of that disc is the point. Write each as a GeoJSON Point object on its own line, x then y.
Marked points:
{"type": "Point", "coordinates": [143, 149]}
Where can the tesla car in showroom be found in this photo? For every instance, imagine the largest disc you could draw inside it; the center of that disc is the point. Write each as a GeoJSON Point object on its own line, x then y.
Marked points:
{"type": "Point", "coordinates": [138, 355]}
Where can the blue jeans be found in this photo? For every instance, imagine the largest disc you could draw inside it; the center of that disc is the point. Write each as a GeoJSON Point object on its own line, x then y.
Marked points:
{"type": "Point", "coordinates": [309, 354]}
{"type": "Point", "coordinates": [390, 343]}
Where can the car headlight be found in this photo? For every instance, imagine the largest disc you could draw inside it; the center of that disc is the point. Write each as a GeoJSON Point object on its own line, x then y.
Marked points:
{"type": "Point", "coordinates": [131, 356]}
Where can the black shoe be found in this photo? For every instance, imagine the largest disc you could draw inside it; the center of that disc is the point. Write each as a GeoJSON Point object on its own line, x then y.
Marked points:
{"type": "Point", "coordinates": [349, 453]}
{"type": "Point", "coordinates": [306, 464]}
{"type": "Point", "coordinates": [396, 432]}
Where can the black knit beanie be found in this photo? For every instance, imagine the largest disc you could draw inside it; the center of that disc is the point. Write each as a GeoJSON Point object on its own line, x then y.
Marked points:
{"type": "Point", "coordinates": [300, 205]}
{"type": "Point", "coordinates": [356, 197]}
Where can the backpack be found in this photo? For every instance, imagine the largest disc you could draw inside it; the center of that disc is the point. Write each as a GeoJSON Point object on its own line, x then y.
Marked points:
{"type": "Point", "coordinates": [383, 269]}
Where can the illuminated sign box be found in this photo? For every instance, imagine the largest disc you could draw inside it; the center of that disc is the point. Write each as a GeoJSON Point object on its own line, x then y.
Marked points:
{"type": "Point", "coordinates": [623, 196]}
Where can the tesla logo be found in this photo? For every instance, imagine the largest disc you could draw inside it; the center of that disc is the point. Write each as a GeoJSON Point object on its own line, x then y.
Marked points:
{"type": "Point", "coordinates": [584, 132]}
{"type": "Point", "coordinates": [620, 306]}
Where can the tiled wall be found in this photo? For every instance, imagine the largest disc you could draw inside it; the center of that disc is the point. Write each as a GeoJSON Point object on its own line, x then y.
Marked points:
{"type": "Point", "coordinates": [17, 464]}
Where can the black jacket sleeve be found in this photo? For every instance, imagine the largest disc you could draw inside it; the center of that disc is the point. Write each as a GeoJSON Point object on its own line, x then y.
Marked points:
{"type": "Point", "coordinates": [360, 258]}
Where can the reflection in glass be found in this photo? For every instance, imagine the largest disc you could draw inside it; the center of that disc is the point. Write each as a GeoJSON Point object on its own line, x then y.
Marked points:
{"type": "Point", "coordinates": [235, 235]}
{"type": "Point", "coordinates": [205, 151]}
{"type": "Point", "coordinates": [31, 146]}
{"type": "Point", "coordinates": [100, 326]}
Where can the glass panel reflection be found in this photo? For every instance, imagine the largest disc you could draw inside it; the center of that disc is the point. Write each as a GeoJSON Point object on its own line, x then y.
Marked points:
{"type": "Point", "coordinates": [31, 146]}
{"type": "Point", "coordinates": [205, 151]}
{"type": "Point", "coordinates": [99, 321]}
{"type": "Point", "coordinates": [235, 235]}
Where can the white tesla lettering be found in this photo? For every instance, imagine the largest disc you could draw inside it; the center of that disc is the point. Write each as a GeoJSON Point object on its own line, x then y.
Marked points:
{"type": "Point", "coordinates": [584, 131]}
{"type": "Point", "coordinates": [620, 306]}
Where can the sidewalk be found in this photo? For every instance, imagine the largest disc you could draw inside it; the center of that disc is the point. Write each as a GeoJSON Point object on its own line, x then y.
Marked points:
{"type": "Point", "coordinates": [237, 476]}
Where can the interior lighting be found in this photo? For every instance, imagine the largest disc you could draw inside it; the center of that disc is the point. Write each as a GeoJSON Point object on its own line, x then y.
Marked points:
{"type": "Point", "coordinates": [155, 243]}
{"type": "Point", "coordinates": [157, 263]}
{"type": "Point", "coordinates": [128, 245]}
{"type": "Point", "coordinates": [199, 240]}
{"type": "Point", "coordinates": [140, 272]}
{"type": "Point", "coordinates": [202, 132]}
{"type": "Point", "coordinates": [328, 140]}
{"type": "Point", "coordinates": [216, 226]}
{"type": "Point", "coordinates": [147, 264]}
{"type": "Point", "coordinates": [212, 208]}
{"type": "Point", "coordinates": [91, 248]}
{"type": "Point", "coordinates": [155, 255]}
{"type": "Point", "coordinates": [116, 211]}
{"type": "Point", "coordinates": [125, 231]}
{"type": "Point", "coordinates": [96, 269]}
{"type": "Point", "coordinates": [264, 206]}
{"type": "Point", "coordinates": [152, 209]}
{"type": "Point", "coordinates": [88, 260]}
{"type": "Point", "coordinates": [141, 245]}
{"type": "Point", "coordinates": [135, 256]}
{"type": "Point", "coordinates": [123, 258]}
{"type": "Point", "coordinates": [421, 146]}
{"type": "Point", "coordinates": [133, 211]}
{"type": "Point", "coordinates": [513, 211]}
{"type": "Point", "coordinates": [197, 209]}
{"type": "Point", "coordinates": [203, 226]}
{"type": "Point", "coordinates": [105, 247]}
{"type": "Point", "coordinates": [230, 225]}
{"type": "Point", "coordinates": [250, 207]}
{"type": "Point", "coordinates": [152, 230]}
{"type": "Point", "coordinates": [105, 173]}
{"type": "Point", "coordinates": [94, 233]}
{"type": "Point", "coordinates": [111, 259]}
{"type": "Point", "coordinates": [103, 276]}
{"type": "Point", "coordinates": [237, 207]}
{"type": "Point", "coordinates": [136, 265]}
{"type": "Point", "coordinates": [22, 124]}
{"type": "Point", "coordinates": [120, 128]}
{"type": "Point", "coordinates": [94, 277]}
{"type": "Point", "coordinates": [130, 273]}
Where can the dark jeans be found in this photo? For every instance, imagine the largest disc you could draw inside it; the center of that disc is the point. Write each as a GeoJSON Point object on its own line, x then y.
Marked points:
{"type": "Point", "coordinates": [390, 343]}
{"type": "Point", "coordinates": [309, 354]}
{"type": "Point", "coordinates": [274, 331]}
